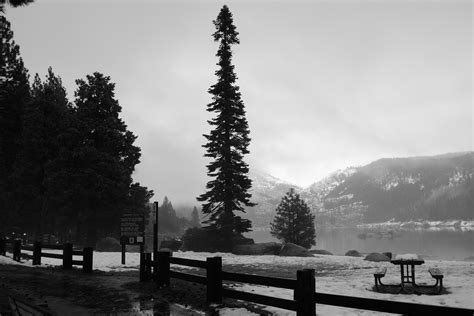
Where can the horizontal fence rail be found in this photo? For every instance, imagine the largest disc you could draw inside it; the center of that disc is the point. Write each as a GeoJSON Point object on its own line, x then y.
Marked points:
{"type": "Point", "coordinates": [388, 306]}
{"type": "Point", "coordinates": [188, 262]}
{"type": "Point", "coordinates": [304, 299]}
{"type": "Point", "coordinates": [260, 280]}
{"type": "Point", "coordinates": [188, 277]}
{"type": "Point", "coordinates": [37, 248]}
{"type": "Point", "coordinates": [52, 255]}
{"type": "Point", "coordinates": [50, 246]}
{"type": "Point", "coordinates": [261, 299]}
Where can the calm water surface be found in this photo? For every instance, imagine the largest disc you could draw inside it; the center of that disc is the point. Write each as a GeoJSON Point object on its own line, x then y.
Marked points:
{"type": "Point", "coordinates": [430, 244]}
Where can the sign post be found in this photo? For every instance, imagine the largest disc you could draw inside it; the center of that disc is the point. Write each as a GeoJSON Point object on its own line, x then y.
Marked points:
{"type": "Point", "coordinates": [132, 231]}
{"type": "Point", "coordinates": [155, 233]}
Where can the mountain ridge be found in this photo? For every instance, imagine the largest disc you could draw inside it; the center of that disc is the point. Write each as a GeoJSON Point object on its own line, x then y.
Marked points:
{"type": "Point", "coordinates": [424, 187]}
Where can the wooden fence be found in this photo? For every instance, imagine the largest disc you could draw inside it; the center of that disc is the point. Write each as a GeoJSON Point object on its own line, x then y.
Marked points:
{"type": "Point", "coordinates": [304, 288]}
{"type": "Point", "coordinates": [37, 249]}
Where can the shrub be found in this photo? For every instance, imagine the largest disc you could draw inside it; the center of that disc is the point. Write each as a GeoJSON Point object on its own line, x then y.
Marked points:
{"type": "Point", "coordinates": [210, 240]}
{"type": "Point", "coordinates": [108, 244]}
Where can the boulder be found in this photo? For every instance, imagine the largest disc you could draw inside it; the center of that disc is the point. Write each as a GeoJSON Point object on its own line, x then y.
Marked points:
{"type": "Point", "coordinates": [353, 253]}
{"type": "Point", "coordinates": [375, 256]}
{"type": "Point", "coordinates": [267, 248]}
{"type": "Point", "coordinates": [292, 250]}
{"type": "Point", "coordinates": [173, 244]}
{"type": "Point", "coordinates": [320, 252]}
{"type": "Point", "coordinates": [388, 254]}
{"type": "Point", "coordinates": [241, 240]}
{"type": "Point", "coordinates": [471, 258]}
{"type": "Point", "coordinates": [108, 244]}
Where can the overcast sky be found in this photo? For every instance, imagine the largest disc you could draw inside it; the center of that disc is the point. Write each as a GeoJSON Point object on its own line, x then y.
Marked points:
{"type": "Point", "coordinates": [326, 84]}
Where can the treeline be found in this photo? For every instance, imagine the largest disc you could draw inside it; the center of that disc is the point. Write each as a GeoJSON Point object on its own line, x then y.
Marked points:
{"type": "Point", "coordinates": [65, 167]}
{"type": "Point", "coordinates": [169, 223]}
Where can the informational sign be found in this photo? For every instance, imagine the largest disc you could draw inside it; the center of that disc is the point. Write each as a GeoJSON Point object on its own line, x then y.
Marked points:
{"type": "Point", "coordinates": [131, 228]}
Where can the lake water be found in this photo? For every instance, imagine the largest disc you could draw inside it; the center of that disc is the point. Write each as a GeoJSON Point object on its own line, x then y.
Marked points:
{"type": "Point", "coordinates": [448, 244]}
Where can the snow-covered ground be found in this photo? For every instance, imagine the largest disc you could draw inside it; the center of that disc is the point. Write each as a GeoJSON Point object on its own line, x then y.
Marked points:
{"type": "Point", "coordinates": [342, 275]}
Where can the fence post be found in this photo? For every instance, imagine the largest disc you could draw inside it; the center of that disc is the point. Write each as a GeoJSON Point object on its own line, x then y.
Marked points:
{"type": "Point", "coordinates": [148, 266]}
{"type": "Point", "coordinates": [155, 247]}
{"type": "Point", "coordinates": [145, 266]}
{"type": "Point", "coordinates": [304, 292]}
{"type": "Point", "coordinates": [67, 256]}
{"type": "Point", "coordinates": [155, 267]}
{"type": "Point", "coordinates": [37, 253]}
{"type": "Point", "coordinates": [163, 277]}
{"type": "Point", "coordinates": [3, 247]}
{"type": "Point", "coordinates": [87, 257]}
{"type": "Point", "coordinates": [214, 280]}
{"type": "Point", "coordinates": [142, 267]}
{"type": "Point", "coordinates": [17, 250]}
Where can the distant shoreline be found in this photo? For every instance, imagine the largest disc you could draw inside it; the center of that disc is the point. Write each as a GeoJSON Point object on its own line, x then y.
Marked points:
{"type": "Point", "coordinates": [423, 225]}
{"type": "Point", "coordinates": [451, 225]}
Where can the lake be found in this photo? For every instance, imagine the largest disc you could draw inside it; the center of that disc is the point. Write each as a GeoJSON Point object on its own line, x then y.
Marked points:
{"type": "Point", "coordinates": [443, 244]}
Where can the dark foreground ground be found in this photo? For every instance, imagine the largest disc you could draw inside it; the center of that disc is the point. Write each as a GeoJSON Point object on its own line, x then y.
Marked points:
{"type": "Point", "coordinates": [107, 293]}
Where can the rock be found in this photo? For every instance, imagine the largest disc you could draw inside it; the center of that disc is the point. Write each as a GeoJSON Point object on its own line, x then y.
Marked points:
{"type": "Point", "coordinates": [267, 248]}
{"type": "Point", "coordinates": [293, 250]}
{"type": "Point", "coordinates": [471, 258]}
{"type": "Point", "coordinates": [388, 254]}
{"type": "Point", "coordinates": [241, 240]}
{"type": "Point", "coordinates": [375, 256]}
{"type": "Point", "coordinates": [353, 253]}
{"type": "Point", "coordinates": [320, 252]}
{"type": "Point", "coordinates": [173, 244]}
{"type": "Point", "coordinates": [108, 244]}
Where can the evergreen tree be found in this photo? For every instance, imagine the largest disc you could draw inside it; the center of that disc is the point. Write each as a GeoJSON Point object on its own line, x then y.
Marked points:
{"type": "Point", "coordinates": [45, 120]}
{"type": "Point", "coordinates": [195, 221]}
{"type": "Point", "coordinates": [14, 95]}
{"type": "Point", "coordinates": [13, 3]}
{"type": "Point", "coordinates": [294, 222]}
{"type": "Point", "coordinates": [167, 220]}
{"type": "Point", "coordinates": [103, 160]}
{"type": "Point", "coordinates": [227, 143]}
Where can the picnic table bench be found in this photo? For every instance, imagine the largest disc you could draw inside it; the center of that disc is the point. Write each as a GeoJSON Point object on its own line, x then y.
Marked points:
{"type": "Point", "coordinates": [380, 273]}
{"type": "Point", "coordinates": [438, 276]}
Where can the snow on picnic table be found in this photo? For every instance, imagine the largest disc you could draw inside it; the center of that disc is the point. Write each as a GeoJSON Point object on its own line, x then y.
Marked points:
{"type": "Point", "coordinates": [341, 275]}
{"type": "Point", "coordinates": [407, 257]}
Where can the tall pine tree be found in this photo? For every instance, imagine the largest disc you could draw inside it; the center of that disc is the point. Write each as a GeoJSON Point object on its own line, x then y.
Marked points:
{"type": "Point", "coordinates": [45, 120]}
{"type": "Point", "coordinates": [195, 221]}
{"type": "Point", "coordinates": [294, 222]}
{"type": "Point", "coordinates": [227, 143]}
{"type": "Point", "coordinates": [102, 161]}
{"type": "Point", "coordinates": [14, 95]}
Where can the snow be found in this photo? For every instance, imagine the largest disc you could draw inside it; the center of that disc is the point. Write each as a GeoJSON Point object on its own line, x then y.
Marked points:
{"type": "Point", "coordinates": [407, 256]}
{"type": "Point", "coordinates": [341, 275]}
{"type": "Point", "coordinates": [234, 312]}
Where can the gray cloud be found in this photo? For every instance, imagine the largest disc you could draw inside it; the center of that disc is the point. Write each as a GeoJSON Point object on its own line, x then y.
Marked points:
{"type": "Point", "coordinates": [327, 84]}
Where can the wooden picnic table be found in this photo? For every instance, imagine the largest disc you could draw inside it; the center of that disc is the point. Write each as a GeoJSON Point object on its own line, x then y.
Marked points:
{"type": "Point", "coordinates": [407, 263]}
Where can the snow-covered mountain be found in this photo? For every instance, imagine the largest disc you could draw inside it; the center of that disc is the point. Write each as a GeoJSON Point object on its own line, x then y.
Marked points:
{"type": "Point", "coordinates": [431, 188]}
{"type": "Point", "coordinates": [267, 191]}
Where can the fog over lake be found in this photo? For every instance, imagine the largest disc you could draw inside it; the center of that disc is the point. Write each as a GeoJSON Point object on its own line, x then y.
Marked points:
{"type": "Point", "coordinates": [447, 244]}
